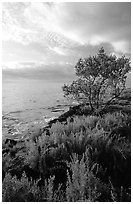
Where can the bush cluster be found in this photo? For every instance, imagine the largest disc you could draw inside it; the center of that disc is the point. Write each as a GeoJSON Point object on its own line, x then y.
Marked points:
{"type": "Point", "coordinates": [86, 159]}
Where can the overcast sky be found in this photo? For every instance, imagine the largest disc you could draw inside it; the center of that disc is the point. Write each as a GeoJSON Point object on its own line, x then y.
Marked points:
{"type": "Point", "coordinates": [56, 35]}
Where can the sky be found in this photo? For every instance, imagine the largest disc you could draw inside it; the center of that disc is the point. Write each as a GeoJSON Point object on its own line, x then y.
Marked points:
{"type": "Point", "coordinates": [49, 37]}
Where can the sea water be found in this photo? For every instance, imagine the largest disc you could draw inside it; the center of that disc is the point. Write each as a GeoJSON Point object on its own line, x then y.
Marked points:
{"type": "Point", "coordinates": [27, 103]}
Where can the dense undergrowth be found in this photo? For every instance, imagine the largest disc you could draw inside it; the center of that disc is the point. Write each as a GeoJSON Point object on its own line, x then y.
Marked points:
{"type": "Point", "coordinates": [86, 158]}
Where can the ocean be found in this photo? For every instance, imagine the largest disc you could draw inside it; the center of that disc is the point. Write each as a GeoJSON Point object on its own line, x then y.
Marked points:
{"type": "Point", "coordinates": [29, 103]}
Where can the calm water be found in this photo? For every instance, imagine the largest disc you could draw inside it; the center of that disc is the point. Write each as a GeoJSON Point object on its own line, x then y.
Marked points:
{"type": "Point", "coordinates": [27, 104]}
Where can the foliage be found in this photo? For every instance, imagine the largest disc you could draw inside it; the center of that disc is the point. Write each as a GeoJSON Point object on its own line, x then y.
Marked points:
{"type": "Point", "coordinates": [84, 186]}
{"type": "Point", "coordinates": [15, 190]}
{"type": "Point", "coordinates": [101, 79]}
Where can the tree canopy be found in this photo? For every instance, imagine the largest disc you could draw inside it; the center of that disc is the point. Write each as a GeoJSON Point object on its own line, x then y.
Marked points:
{"type": "Point", "coordinates": [100, 79]}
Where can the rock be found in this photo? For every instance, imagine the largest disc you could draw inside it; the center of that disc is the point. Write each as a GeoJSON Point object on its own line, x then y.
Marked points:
{"type": "Point", "coordinates": [57, 110]}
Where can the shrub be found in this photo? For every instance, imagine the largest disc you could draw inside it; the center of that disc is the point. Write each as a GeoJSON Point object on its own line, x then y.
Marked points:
{"type": "Point", "coordinates": [84, 186]}
{"type": "Point", "coordinates": [88, 158]}
{"type": "Point", "coordinates": [15, 190]}
{"type": "Point", "coordinates": [21, 190]}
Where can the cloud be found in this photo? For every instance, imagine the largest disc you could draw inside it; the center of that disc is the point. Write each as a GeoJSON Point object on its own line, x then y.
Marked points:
{"type": "Point", "coordinates": [122, 46]}
{"type": "Point", "coordinates": [57, 50]}
{"type": "Point", "coordinates": [15, 51]}
{"type": "Point", "coordinates": [35, 70]}
{"type": "Point", "coordinates": [95, 23]}
{"type": "Point", "coordinates": [64, 31]}
{"type": "Point", "coordinates": [81, 22]}
{"type": "Point", "coordinates": [89, 49]}
{"type": "Point", "coordinates": [38, 22]}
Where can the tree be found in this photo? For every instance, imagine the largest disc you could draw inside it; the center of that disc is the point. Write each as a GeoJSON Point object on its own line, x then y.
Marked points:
{"type": "Point", "coordinates": [100, 79]}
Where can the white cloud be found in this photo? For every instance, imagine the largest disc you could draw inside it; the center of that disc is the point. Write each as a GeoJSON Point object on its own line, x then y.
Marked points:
{"type": "Point", "coordinates": [57, 50]}
{"type": "Point", "coordinates": [38, 23]}
{"type": "Point", "coordinates": [122, 46]}
{"type": "Point", "coordinates": [54, 31]}
{"type": "Point", "coordinates": [23, 65]}
{"type": "Point", "coordinates": [67, 23]}
{"type": "Point", "coordinates": [96, 40]}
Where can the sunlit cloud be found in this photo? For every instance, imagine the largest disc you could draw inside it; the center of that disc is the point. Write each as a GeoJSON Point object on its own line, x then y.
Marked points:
{"type": "Point", "coordinates": [63, 32]}
{"type": "Point", "coordinates": [57, 50]}
{"type": "Point", "coordinates": [122, 46]}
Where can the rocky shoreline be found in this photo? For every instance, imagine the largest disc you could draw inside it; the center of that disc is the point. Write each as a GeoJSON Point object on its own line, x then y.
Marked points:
{"type": "Point", "coordinates": [73, 110]}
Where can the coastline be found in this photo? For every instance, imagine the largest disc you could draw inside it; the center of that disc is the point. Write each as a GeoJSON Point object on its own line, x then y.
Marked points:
{"type": "Point", "coordinates": [63, 112]}
{"type": "Point", "coordinates": [49, 121]}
